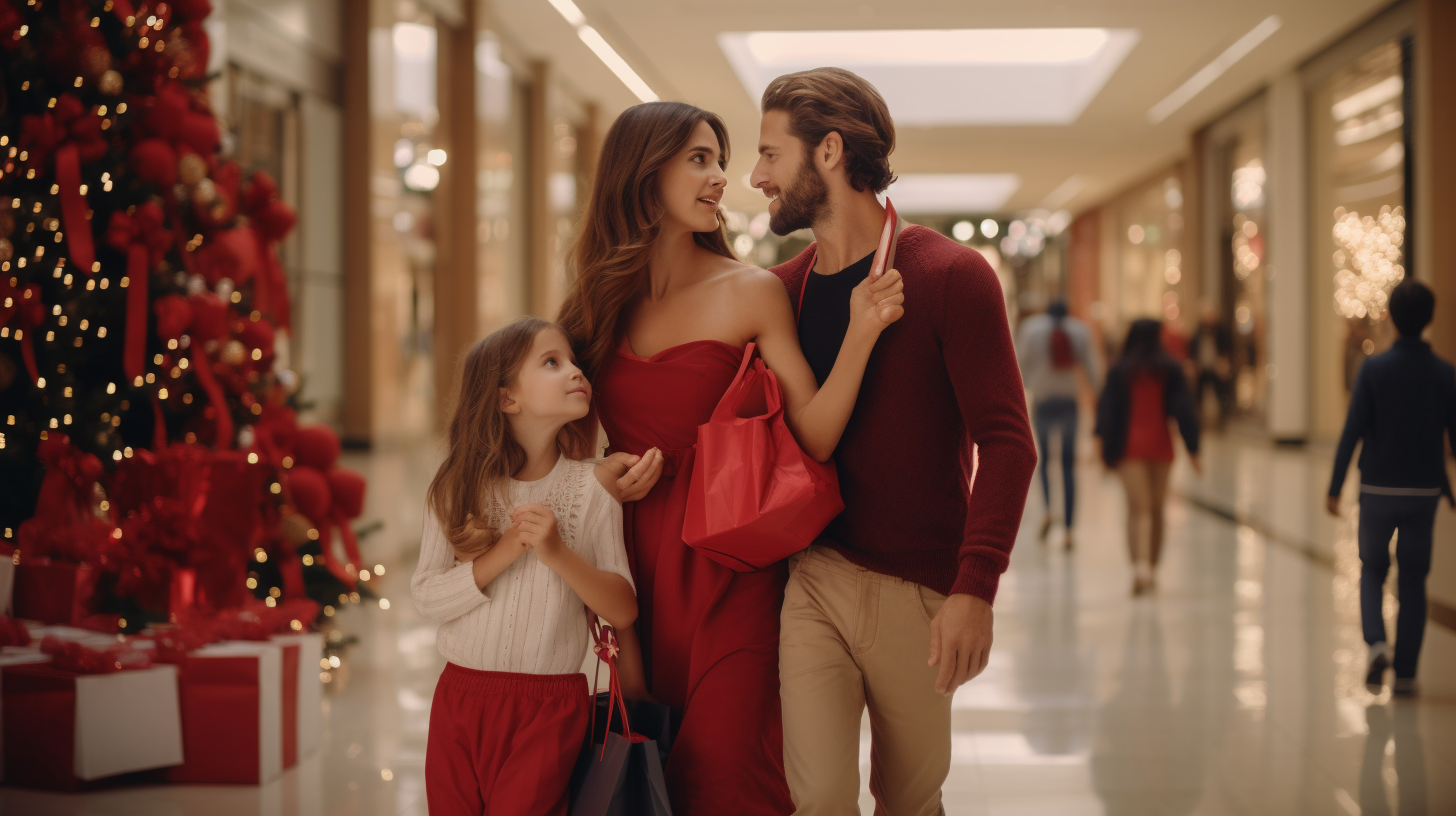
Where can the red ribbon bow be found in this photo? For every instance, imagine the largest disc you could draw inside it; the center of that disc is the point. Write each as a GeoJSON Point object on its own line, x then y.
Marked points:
{"type": "Point", "coordinates": [142, 235]}
{"type": "Point", "coordinates": [74, 136]}
{"type": "Point", "coordinates": [23, 302]}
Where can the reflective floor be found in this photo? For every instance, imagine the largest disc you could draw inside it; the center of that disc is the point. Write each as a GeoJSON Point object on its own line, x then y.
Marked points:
{"type": "Point", "coordinates": [1236, 689]}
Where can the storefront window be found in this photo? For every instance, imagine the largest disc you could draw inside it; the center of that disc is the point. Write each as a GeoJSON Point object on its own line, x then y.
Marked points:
{"type": "Point", "coordinates": [405, 168]}
{"type": "Point", "coordinates": [1244, 244]}
{"type": "Point", "coordinates": [1361, 134]}
{"type": "Point", "coordinates": [500, 229]}
{"type": "Point", "coordinates": [1147, 274]}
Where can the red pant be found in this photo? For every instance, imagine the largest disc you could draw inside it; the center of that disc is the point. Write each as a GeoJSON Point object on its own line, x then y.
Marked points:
{"type": "Point", "coordinates": [503, 743]}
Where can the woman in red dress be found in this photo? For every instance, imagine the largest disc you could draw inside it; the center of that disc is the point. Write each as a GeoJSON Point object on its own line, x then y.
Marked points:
{"type": "Point", "coordinates": [660, 312]}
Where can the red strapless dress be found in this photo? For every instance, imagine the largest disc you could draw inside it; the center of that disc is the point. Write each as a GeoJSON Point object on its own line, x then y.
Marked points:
{"type": "Point", "coordinates": [710, 636]}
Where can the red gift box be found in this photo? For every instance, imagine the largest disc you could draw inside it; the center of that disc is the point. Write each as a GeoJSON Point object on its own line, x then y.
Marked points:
{"type": "Point", "coordinates": [63, 729]}
{"type": "Point", "coordinates": [303, 698]}
{"type": "Point", "coordinates": [54, 591]}
{"type": "Point", "coordinates": [232, 714]}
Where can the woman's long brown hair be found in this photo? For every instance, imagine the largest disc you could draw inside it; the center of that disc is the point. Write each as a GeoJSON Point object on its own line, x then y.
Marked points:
{"type": "Point", "coordinates": [622, 220]}
{"type": "Point", "coordinates": [482, 453]}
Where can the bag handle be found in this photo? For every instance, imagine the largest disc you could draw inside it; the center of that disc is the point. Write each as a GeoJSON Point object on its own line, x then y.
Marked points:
{"type": "Point", "coordinates": [773, 399]}
{"type": "Point", "coordinates": [607, 649]}
{"type": "Point", "coordinates": [884, 253]}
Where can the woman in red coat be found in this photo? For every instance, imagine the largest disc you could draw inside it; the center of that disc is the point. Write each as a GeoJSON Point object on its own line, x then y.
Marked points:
{"type": "Point", "coordinates": [660, 312]}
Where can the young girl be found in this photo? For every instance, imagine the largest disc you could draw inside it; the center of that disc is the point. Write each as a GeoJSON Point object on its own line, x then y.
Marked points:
{"type": "Point", "coordinates": [519, 539]}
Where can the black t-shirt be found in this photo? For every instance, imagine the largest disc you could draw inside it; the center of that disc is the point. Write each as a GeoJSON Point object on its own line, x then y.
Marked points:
{"type": "Point", "coordinates": [824, 320]}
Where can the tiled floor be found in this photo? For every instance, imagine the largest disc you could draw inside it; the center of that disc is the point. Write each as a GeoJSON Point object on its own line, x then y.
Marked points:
{"type": "Point", "coordinates": [1237, 689]}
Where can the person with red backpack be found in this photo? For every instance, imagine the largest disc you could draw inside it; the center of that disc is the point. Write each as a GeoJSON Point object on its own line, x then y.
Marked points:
{"type": "Point", "coordinates": [1050, 349]}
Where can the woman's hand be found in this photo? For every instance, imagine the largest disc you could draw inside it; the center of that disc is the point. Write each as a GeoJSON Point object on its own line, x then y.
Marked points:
{"type": "Point", "coordinates": [635, 475]}
{"type": "Point", "coordinates": [874, 305]}
{"type": "Point", "coordinates": [538, 531]}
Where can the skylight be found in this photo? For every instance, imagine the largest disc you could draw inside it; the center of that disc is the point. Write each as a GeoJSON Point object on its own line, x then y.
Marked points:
{"type": "Point", "coordinates": [1012, 76]}
{"type": "Point", "coordinates": [952, 193]}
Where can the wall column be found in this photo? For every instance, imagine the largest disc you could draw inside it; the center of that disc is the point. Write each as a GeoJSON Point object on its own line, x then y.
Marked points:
{"type": "Point", "coordinates": [356, 414]}
{"type": "Point", "coordinates": [1286, 268]}
{"type": "Point", "coordinates": [541, 225]}
{"type": "Point", "coordinates": [456, 274]}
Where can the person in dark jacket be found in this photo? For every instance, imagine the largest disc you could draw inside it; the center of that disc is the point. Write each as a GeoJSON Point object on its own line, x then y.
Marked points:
{"type": "Point", "coordinates": [1145, 388]}
{"type": "Point", "coordinates": [1403, 401]}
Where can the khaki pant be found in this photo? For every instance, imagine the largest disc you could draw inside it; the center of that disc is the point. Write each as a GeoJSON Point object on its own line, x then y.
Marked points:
{"type": "Point", "coordinates": [1146, 484]}
{"type": "Point", "coordinates": [851, 638]}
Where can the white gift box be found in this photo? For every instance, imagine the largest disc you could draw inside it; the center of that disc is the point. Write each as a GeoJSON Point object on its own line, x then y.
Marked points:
{"type": "Point", "coordinates": [127, 721]}
{"type": "Point", "coordinates": [123, 721]}
{"type": "Point", "coordinates": [232, 714]}
{"type": "Point", "coordinates": [308, 712]}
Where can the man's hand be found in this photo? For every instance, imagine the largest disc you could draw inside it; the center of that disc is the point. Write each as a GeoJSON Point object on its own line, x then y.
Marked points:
{"type": "Point", "coordinates": [1332, 505]}
{"type": "Point", "coordinates": [1196, 463]}
{"type": "Point", "coordinates": [960, 640]}
{"type": "Point", "coordinates": [635, 475]}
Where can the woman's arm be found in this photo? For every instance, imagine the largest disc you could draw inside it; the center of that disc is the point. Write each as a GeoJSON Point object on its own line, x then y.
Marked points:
{"type": "Point", "coordinates": [818, 414]}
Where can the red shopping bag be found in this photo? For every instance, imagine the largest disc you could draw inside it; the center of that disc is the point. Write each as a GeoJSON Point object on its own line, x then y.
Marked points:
{"type": "Point", "coordinates": [755, 497]}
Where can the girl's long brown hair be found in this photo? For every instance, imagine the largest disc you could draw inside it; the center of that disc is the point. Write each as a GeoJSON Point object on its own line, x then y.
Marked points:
{"type": "Point", "coordinates": [482, 453]}
{"type": "Point", "coordinates": [622, 220]}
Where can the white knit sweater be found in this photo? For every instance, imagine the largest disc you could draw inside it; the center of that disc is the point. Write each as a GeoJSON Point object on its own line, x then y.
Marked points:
{"type": "Point", "coordinates": [528, 620]}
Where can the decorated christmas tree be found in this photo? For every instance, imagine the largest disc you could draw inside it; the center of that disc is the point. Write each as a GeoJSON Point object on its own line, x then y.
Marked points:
{"type": "Point", "coordinates": [148, 432]}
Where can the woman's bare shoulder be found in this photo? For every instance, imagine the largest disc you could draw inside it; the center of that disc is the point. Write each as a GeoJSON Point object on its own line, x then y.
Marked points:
{"type": "Point", "coordinates": [753, 283]}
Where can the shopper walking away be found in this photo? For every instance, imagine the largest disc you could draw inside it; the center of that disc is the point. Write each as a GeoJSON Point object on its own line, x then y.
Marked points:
{"type": "Point", "coordinates": [1145, 389]}
{"type": "Point", "coordinates": [1403, 400]}
{"type": "Point", "coordinates": [1050, 350]}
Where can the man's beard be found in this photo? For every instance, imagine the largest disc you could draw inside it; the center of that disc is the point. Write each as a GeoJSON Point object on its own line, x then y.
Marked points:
{"type": "Point", "coordinates": [803, 204]}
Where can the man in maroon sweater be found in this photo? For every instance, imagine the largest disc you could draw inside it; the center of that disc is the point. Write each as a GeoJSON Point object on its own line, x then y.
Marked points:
{"type": "Point", "coordinates": [892, 606]}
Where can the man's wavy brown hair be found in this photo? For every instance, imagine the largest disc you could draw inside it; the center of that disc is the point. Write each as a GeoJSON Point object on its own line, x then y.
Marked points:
{"type": "Point", "coordinates": [825, 100]}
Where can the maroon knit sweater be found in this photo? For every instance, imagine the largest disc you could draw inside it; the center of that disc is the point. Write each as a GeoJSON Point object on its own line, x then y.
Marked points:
{"type": "Point", "coordinates": [941, 382]}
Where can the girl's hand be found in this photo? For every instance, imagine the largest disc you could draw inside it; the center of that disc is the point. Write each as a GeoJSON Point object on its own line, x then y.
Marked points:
{"type": "Point", "coordinates": [538, 530]}
{"type": "Point", "coordinates": [874, 305]}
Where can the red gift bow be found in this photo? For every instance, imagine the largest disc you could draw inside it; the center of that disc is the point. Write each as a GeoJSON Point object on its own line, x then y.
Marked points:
{"type": "Point", "coordinates": [65, 494]}
{"type": "Point", "coordinates": [68, 655]}
{"type": "Point", "coordinates": [143, 237]}
{"type": "Point", "coordinates": [13, 632]}
{"type": "Point", "coordinates": [23, 301]}
{"type": "Point", "coordinates": [74, 136]}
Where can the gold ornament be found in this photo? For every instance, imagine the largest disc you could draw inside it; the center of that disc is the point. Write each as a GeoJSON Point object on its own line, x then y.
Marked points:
{"type": "Point", "coordinates": [233, 353]}
{"type": "Point", "coordinates": [191, 169]}
{"type": "Point", "coordinates": [110, 83]}
{"type": "Point", "coordinates": [204, 192]}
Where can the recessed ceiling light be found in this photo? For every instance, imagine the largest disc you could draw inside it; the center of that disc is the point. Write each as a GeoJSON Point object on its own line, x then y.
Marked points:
{"type": "Point", "coordinates": [1212, 71]}
{"type": "Point", "coordinates": [1014, 76]}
